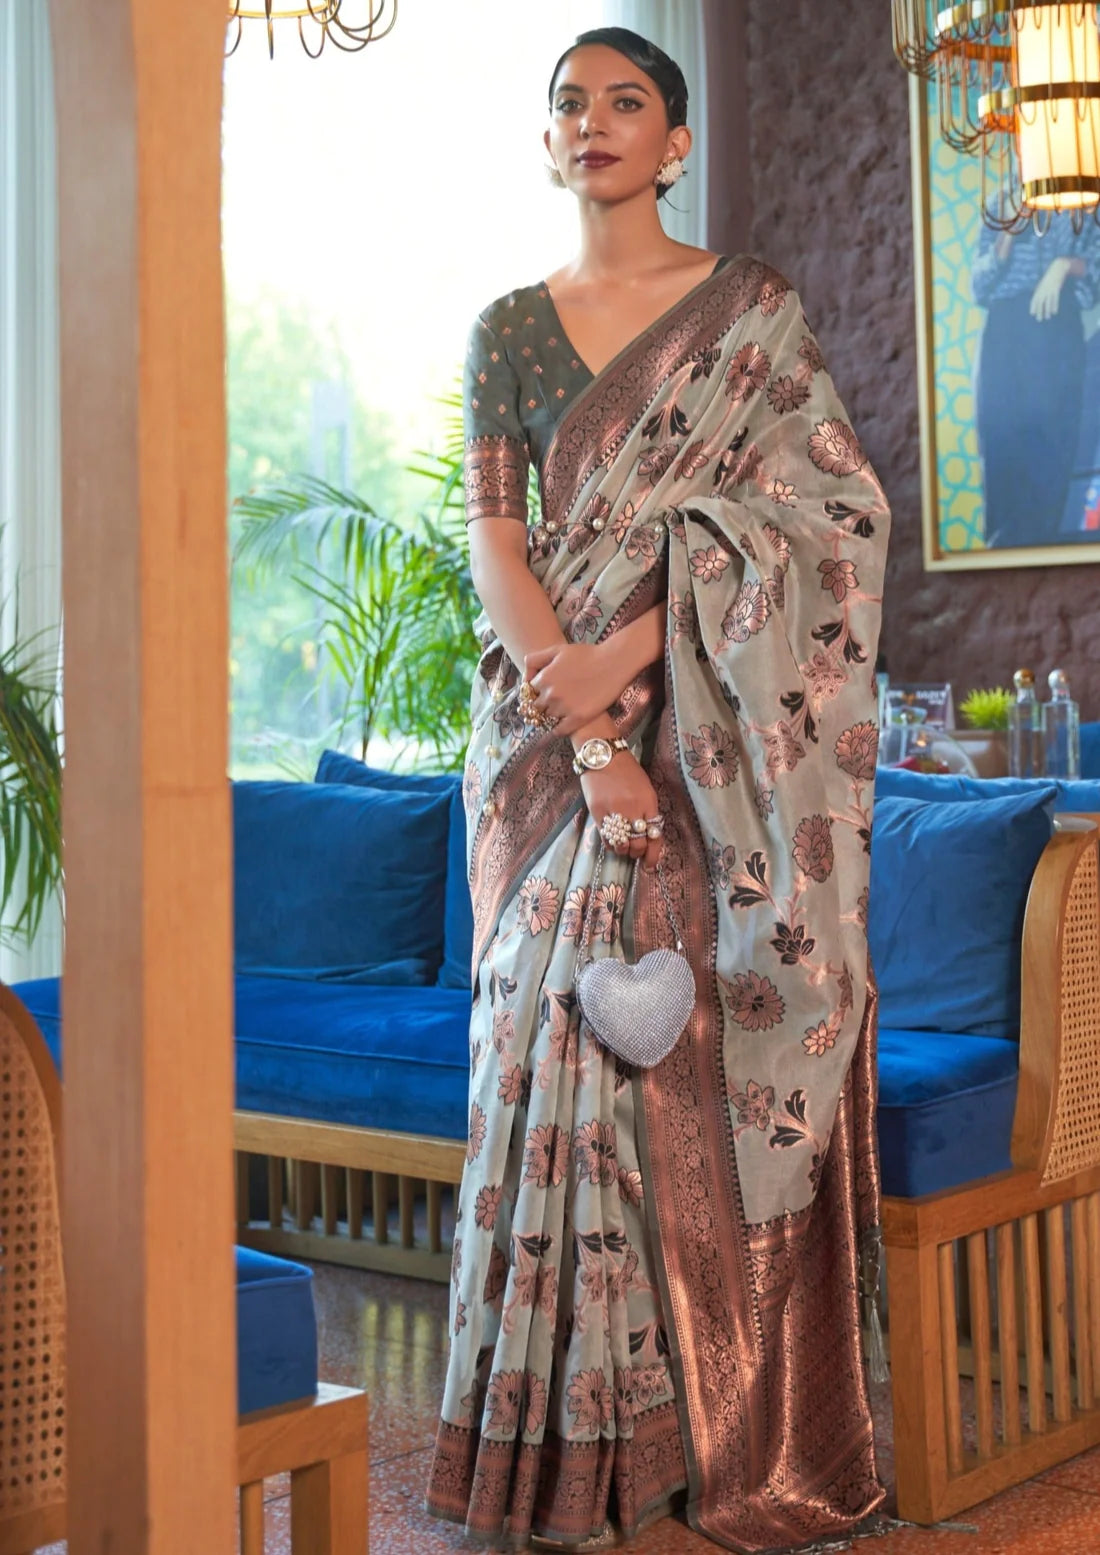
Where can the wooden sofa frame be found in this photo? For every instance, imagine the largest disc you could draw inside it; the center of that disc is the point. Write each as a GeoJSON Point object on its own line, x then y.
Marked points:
{"type": "Point", "coordinates": [999, 1280]}
{"type": "Point", "coordinates": [322, 1442]}
{"type": "Point", "coordinates": [994, 1281]}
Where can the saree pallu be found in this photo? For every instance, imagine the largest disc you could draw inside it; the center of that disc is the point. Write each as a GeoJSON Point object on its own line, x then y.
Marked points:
{"type": "Point", "coordinates": [656, 1273]}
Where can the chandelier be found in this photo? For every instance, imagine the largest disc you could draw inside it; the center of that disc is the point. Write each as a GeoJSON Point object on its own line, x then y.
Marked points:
{"type": "Point", "coordinates": [319, 21]}
{"type": "Point", "coordinates": [1018, 84]}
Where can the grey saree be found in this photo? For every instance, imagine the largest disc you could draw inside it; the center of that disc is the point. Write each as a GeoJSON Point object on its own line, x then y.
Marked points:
{"type": "Point", "coordinates": [655, 1285]}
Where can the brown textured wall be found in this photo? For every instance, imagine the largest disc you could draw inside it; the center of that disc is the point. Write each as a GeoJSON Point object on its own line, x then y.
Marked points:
{"type": "Point", "coordinates": [830, 199]}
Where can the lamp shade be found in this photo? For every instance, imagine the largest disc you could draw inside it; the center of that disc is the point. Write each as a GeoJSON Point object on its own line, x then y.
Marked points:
{"type": "Point", "coordinates": [1057, 79]}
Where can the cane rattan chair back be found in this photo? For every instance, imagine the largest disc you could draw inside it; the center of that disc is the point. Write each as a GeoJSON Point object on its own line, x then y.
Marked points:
{"type": "Point", "coordinates": [32, 1287]}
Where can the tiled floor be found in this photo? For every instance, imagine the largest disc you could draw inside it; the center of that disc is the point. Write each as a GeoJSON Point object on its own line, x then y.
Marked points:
{"type": "Point", "coordinates": [390, 1336]}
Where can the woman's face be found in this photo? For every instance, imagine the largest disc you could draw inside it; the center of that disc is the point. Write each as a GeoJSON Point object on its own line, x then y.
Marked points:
{"type": "Point", "coordinates": [609, 129]}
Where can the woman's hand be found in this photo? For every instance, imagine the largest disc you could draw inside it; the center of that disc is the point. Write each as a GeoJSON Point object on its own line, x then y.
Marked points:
{"type": "Point", "coordinates": [1047, 296]}
{"type": "Point", "coordinates": [624, 787]}
{"type": "Point", "coordinates": [575, 683]}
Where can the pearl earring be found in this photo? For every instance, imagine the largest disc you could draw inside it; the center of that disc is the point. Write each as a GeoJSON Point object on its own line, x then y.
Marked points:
{"type": "Point", "coordinates": [669, 172]}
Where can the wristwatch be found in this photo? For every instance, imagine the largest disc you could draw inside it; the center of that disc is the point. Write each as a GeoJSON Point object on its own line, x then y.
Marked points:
{"type": "Point", "coordinates": [596, 753]}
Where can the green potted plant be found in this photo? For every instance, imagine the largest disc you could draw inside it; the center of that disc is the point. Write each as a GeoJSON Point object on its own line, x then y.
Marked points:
{"type": "Point", "coordinates": [30, 788]}
{"type": "Point", "coordinates": [984, 729]}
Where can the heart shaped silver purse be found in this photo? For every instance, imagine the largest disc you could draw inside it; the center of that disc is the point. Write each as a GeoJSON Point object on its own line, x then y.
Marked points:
{"type": "Point", "coordinates": [638, 1010]}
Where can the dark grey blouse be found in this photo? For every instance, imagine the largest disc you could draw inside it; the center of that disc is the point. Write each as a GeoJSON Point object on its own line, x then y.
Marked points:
{"type": "Point", "coordinates": [521, 374]}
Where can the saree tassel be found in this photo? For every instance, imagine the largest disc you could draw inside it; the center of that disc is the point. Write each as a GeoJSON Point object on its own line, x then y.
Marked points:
{"type": "Point", "coordinates": [878, 1367]}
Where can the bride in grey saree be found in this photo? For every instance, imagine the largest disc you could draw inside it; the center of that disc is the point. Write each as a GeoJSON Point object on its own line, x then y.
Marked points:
{"type": "Point", "coordinates": [657, 1272]}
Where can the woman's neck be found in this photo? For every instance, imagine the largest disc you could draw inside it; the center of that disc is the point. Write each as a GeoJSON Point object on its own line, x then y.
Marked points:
{"type": "Point", "coordinates": [621, 242]}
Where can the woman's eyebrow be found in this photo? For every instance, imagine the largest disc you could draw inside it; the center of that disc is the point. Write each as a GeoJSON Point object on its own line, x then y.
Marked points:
{"type": "Point", "coordinates": [615, 86]}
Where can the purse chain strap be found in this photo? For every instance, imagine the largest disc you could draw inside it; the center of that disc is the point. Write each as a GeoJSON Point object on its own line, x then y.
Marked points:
{"type": "Point", "coordinates": [586, 928]}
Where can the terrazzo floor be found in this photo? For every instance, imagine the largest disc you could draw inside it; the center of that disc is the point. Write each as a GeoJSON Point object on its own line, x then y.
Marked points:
{"type": "Point", "coordinates": [389, 1336]}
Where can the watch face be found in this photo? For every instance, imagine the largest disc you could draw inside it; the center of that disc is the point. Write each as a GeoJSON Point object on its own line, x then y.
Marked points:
{"type": "Point", "coordinates": [596, 753]}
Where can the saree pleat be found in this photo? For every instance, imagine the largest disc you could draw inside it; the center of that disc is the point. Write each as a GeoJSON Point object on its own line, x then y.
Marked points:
{"type": "Point", "coordinates": [656, 1282]}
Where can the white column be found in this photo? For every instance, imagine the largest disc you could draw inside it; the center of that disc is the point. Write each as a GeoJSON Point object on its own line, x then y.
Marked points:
{"type": "Point", "coordinates": [30, 461]}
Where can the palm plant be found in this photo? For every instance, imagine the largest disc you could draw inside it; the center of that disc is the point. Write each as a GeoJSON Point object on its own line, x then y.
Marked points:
{"type": "Point", "coordinates": [396, 606]}
{"type": "Point", "coordinates": [30, 788]}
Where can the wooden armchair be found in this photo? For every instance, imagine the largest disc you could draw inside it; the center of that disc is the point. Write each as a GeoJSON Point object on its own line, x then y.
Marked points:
{"type": "Point", "coordinates": [322, 1444]}
{"type": "Point", "coordinates": [999, 1280]}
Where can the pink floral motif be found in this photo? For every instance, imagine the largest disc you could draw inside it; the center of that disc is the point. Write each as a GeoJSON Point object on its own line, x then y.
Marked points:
{"type": "Point", "coordinates": [747, 372]}
{"type": "Point", "coordinates": [546, 1289]}
{"type": "Point", "coordinates": [624, 1398]}
{"type": "Point", "coordinates": [711, 756]}
{"type": "Point", "coordinates": [503, 1401]}
{"type": "Point", "coordinates": [861, 906]}
{"type": "Point", "coordinates": [654, 464]}
{"type": "Point", "coordinates": [630, 1187]}
{"type": "Point", "coordinates": [772, 297]}
{"type": "Point", "coordinates": [782, 749]}
{"type": "Point", "coordinates": [623, 522]}
{"type": "Point", "coordinates": [754, 1105]}
{"type": "Point", "coordinates": [782, 492]}
{"type": "Point", "coordinates": [813, 847]}
{"type": "Point", "coordinates": [649, 1383]}
{"type": "Point", "coordinates": [537, 904]}
{"type": "Point", "coordinates": [594, 1152]}
{"type": "Point", "coordinates": [545, 1155]}
{"type": "Point", "coordinates": [839, 578]}
{"type": "Point", "coordinates": [643, 543]}
{"type": "Point", "coordinates": [460, 1317]}
{"type": "Point", "coordinates": [572, 918]}
{"type": "Point", "coordinates": [496, 1277]}
{"type": "Point", "coordinates": [685, 617]}
{"type": "Point", "coordinates": [737, 469]}
{"type": "Point", "coordinates": [596, 507]}
{"type": "Point", "coordinates": [835, 449]}
{"type": "Point", "coordinates": [824, 676]}
{"type": "Point", "coordinates": [779, 544]}
{"type": "Point", "coordinates": [588, 1400]}
{"type": "Point", "coordinates": [748, 614]}
{"type": "Point", "coordinates": [510, 1085]}
{"type": "Point", "coordinates": [754, 1002]}
{"type": "Point", "coordinates": [477, 1133]}
{"type": "Point", "coordinates": [708, 563]}
{"type": "Point", "coordinates": [785, 395]}
{"type": "Point", "coordinates": [607, 911]}
{"type": "Point", "coordinates": [810, 352]}
{"type": "Point", "coordinates": [504, 1029]}
{"type": "Point", "coordinates": [820, 1038]}
{"type": "Point", "coordinates": [693, 461]}
{"type": "Point", "coordinates": [535, 1410]}
{"type": "Point", "coordinates": [471, 788]}
{"type": "Point", "coordinates": [487, 1207]}
{"type": "Point", "coordinates": [856, 750]}
{"type": "Point", "coordinates": [762, 798]}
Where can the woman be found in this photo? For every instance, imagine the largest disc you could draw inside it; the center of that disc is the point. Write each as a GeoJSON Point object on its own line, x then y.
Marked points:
{"type": "Point", "coordinates": [655, 1276]}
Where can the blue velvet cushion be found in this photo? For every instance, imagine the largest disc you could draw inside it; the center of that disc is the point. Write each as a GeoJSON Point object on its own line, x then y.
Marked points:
{"type": "Point", "coordinates": [393, 1058]}
{"type": "Point", "coordinates": [458, 926]}
{"type": "Point", "coordinates": [336, 883]}
{"type": "Point", "coordinates": [1082, 795]}
{"type": "Point", "coordinates": [945, 1108]}
{"type": "Point", "coordinates": [949, 885]}
{"type": "Point", "coordinates": [1090, 750]}
{"type": "Point", "coordinates": [276, 1332]}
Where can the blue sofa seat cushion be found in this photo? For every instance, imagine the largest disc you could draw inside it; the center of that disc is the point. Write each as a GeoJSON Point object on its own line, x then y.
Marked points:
{"type": "Point", "coordinates": [276, 1332]}
{"type": "Point", "coordinates": [458, 926]}
{"type": "Point", "coordinates": [390, 1058]}
{"type": "Point", "coordinates": [373, 1057]}
{"type": "Point", "coordinates": [337, 883]}
{"type": "Point", "coordinates": [949, 885]}
{"type": "Point", "coordinates": [945, 1108]}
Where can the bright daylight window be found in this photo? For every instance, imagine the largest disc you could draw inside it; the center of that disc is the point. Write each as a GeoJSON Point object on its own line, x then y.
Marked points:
{"type": "Point", "coordinates": [373, 203]}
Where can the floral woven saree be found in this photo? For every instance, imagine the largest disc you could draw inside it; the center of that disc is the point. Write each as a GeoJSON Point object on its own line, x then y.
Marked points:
{"type": "Point", "coordinates": [656, 1274]}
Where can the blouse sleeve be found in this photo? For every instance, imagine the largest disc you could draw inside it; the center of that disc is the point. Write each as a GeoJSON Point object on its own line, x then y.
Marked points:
{"type": "Point", "coordinates": [496, 459]}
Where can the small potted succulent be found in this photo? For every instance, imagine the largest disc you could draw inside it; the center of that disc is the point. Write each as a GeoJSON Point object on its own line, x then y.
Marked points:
{"type": "Point", "coordinates": [984, 732]}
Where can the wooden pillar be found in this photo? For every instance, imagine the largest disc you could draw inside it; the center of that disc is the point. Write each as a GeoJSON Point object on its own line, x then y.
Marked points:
{"type": "Point", "coordinates": [148, 1209]}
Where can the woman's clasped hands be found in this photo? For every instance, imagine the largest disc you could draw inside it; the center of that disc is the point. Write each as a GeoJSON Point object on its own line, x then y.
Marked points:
{"type": "Point", "coordinates": [575, 684]}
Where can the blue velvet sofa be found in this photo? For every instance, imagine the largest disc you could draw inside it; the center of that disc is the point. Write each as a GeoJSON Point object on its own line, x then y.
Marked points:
{"type": "Point", "coordinates": [353, 943]}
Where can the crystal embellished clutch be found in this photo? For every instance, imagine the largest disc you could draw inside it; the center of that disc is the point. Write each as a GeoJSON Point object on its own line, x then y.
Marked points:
{"type": "Point", "coordinates": [638, 1010]}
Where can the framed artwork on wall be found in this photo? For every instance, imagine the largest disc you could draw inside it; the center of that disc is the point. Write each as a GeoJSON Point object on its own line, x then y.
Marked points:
{"type": "Point", "coordinates": [1008, 344]}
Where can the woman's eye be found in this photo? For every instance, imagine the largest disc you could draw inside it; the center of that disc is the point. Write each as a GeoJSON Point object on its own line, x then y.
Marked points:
{"type": "Point", "coordinates": [567, 103]}
{"type": "Point", "coordinates": [628, 102]}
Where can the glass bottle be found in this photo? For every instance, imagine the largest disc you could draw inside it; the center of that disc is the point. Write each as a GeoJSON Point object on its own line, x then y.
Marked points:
{"type": "Point", "coordinates": [1025, 729]}
{"type": "Point", "coordinates": [1062, 729]}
